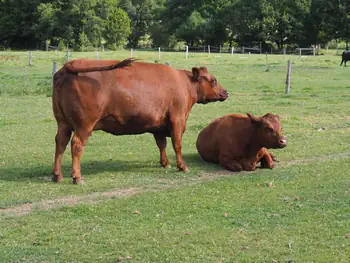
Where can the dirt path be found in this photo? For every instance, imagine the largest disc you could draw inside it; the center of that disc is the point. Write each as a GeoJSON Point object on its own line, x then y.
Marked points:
{"type": "Point", "coordinates": [162, 185]}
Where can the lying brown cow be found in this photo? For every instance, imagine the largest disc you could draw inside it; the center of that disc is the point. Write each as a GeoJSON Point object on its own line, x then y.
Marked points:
{"type": "Point", "coordinates": [238, 142]}
{"type": "Point", "coordinates": [126, 97]}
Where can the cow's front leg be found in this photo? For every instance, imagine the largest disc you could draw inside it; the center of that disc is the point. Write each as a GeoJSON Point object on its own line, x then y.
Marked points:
{"type": "Point", "coordinates": [266, 159]}
{"type": "Point", "coordinates": [161, 143]}
{"type": "Point", "coordinates": [176, 136]}
{"type": "Point", "coordinates": [78, 143]}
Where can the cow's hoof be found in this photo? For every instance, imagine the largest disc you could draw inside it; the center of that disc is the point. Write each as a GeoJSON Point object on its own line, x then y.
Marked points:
{"type": "Point", "coordinates": [56, 178]}
{"type": "Point", "coordinates": [275, 159]}
{"type": "Point", "coordinates": [78, 180]}
{"type": "Point", "coordinates": [167, 166]}
{"type": "Point", "coordinates": [183, 168]}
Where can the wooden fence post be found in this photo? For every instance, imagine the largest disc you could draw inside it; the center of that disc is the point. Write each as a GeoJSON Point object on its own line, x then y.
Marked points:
{"type": "Point", "coordinates": [67, 55]}
{"type": "Point", "coordinates": [208, 49]}
{"type": "Point", "coordinates": [159, 53]}
{"type": "Point", "coordinates": [97, 57]}
{"type": "Point", "coordinates": [232, 49]}
{"type": "Point", "coordinates": [186, 52]}
{"type": "Point", "coordinates": [54, 68]}
{"type": "Point", "coordinates": [337, 48]}
{"type": "Point", "coordinates": [131, 52]}
{"type": "Point", "coordinates": [30, 58]}
{"type": "Point", "coordinates": [288, 77]}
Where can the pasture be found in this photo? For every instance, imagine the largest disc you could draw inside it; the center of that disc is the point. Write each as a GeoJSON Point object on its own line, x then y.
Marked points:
{"type": "Point", "coordinates": [132, 210]}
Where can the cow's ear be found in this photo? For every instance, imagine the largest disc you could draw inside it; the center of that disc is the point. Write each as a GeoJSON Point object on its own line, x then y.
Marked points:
{"type": "Point", "coordinates": [252, 118]}
{"type": "Point", "coordinates": [196, 73]}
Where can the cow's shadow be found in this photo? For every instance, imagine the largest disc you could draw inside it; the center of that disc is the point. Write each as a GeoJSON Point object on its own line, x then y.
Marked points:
{"type": "Point", "coordinates": [91, 168]}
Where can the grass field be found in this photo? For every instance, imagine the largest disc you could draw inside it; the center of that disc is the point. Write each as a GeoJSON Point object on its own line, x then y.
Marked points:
{"type": "Point", "coordinates": [131, 210]}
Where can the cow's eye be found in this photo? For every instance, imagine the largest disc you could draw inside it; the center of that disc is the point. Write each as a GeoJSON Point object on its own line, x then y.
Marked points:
{"type": "Point", "coordinates": [268, 129]}
{"type": "Point", "coordinates": [213, 82]}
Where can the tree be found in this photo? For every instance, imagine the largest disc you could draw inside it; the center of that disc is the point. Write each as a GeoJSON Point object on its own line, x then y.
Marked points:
{"type": "Point", "coordinates": [117, 28]}
{"type": "Point", "coordinates": [17, 18]}
{"type": "Point", "coordinates": [192, 29]}
{"type": "Point", "coordinates": [143, 15]}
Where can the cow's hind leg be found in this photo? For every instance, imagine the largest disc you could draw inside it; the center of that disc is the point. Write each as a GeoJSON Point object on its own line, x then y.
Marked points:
{"type": "Point", "coordinates": [176, 137]}
{"type": "Point", "coordinates": [161, 143]}
{"type": "Point", "coordinates": [62, 138]}
{"type": "Point", "coordinates": [78, 143]}
{"type": "Point", "coordinates": [229, 163]}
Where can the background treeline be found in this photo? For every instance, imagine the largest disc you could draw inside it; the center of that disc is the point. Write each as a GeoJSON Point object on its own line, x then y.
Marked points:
{"type": "Point", "coordinates": [87, 24]}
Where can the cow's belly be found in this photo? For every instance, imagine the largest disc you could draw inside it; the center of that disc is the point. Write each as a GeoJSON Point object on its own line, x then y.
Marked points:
{"type": "Point", "coordinates": [132, 125]}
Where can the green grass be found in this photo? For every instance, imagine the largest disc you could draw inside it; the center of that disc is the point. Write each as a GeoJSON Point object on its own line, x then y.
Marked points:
{"type": "Point", "coordinates": [182, 215]}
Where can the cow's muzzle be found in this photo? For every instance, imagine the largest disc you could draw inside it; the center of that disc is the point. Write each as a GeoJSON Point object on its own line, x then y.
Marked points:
{"type": "Point", "coordinates": [283, 141]}
{"type": "Point", "coordinates": [223, 95]}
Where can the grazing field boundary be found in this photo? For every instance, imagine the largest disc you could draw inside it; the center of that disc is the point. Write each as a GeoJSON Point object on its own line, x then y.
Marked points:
{"type": "Point", "coordinates": [162, 185]}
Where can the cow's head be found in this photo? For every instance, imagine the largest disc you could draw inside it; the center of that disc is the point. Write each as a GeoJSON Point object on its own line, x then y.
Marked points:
{"type": "Point", "coordinates": [209, 90]}
{"type": "Point", "coordinates": [269, 130]}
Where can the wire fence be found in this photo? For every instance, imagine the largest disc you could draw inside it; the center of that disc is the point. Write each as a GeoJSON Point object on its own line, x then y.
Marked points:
{"type": "Point", "coordinates": [30, 72]}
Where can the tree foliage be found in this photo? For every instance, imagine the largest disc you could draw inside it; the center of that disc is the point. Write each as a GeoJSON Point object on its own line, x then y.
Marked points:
{"type": "Point", "coordinates": [81, 24]}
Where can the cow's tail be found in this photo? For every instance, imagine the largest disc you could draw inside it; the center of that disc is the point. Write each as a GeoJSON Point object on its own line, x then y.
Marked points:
{"type": "Point", "coordinates": [121, 64]}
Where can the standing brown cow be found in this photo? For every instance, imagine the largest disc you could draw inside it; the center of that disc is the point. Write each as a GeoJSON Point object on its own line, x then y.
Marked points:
{"type": "Point", "coordinates": [239, 142]}
{"type": "Point", "coordinates": [126, 97]}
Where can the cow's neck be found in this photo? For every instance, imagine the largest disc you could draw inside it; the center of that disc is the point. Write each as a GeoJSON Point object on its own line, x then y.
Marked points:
{"type": "Point", "coordinates": [254, 144]}
{"type": "Point", "coordinates": [193, 90]}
